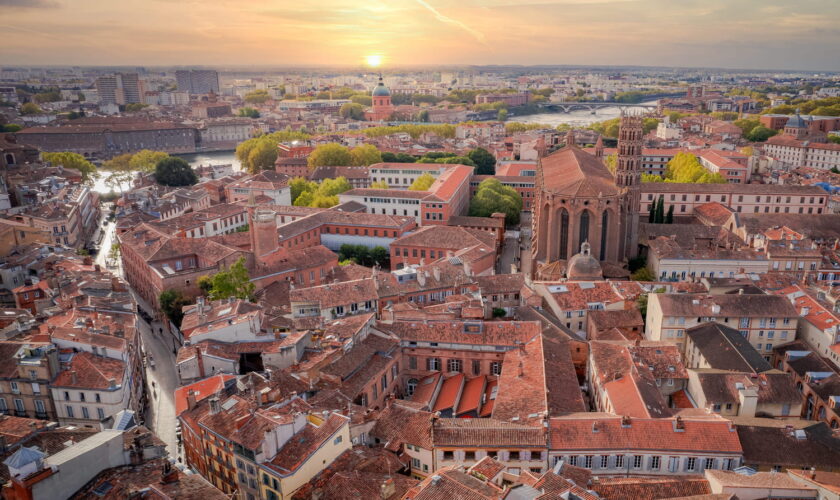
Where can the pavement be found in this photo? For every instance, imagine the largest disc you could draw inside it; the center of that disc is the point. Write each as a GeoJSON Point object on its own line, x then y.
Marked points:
{"type": "Point", "coordinates": [517, 248]}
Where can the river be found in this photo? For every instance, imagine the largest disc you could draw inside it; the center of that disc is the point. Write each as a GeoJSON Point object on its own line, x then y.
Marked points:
{"type": "Point", "coordinates": [195, 160]}
{"type": "Point", "coordinates": [578, 118]}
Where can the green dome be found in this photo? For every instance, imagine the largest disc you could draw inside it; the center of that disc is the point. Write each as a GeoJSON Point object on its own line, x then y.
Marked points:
{"type": "Point", "coordinates": [381, 90]}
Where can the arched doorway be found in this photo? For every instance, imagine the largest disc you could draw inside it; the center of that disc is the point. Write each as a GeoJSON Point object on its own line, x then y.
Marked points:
{"type": "Point", "coordinates": [411, 386]}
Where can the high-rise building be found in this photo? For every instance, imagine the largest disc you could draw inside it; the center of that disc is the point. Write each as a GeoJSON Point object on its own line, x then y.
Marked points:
{"type": "Point", "coordinates": [198, 81]}
{"type": "Point", "coordinates": [121, 88]}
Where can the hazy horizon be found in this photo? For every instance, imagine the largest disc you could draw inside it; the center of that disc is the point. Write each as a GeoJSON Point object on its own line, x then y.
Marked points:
{"type": "Point", "coordinates": [715, 34]}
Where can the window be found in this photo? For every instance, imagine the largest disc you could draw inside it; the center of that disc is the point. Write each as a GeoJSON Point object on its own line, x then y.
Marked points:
{"type": "Point", "coordinates": [469, 455]}
{"type": "Point", "coordinates": [476, 367]}
{"type": "Point", "coordinates": [69, 411]}
{"type": "Point", "coordinates": [85, 413]}
{"type": "Point", "coordinates": [637, 461]}
{"type": "Point", "coordinates": [338, 440]}
{"type": "Point", "coordinates": [98, 398]}
{"type": "Point", "coordinates": [453, 365]}
{"type": "Point", "coordinates": [673, 464]}
{"type": "Point", "coordinates": [19, 406]}
{"type": "Point", "coordinates": [384, 382]}
{"type": "Point", "coordinates": [690, 464]}
{"type": "Point", "coordinates": [3, 407]}
{"type": "Point", "coordinates": [81, 396]}
{"type": "Point", "coordinates": [587, 461]}
{"type": "Point", "coordinates": [100, 413]}
{"type": "Point", "coordinates": [496, 368]}
{"type": "Point", "coordinates": [605, 461]}
{"type": "Point", "coordinates": [66, 395]}
{"type": "Point", "coordinates": [654, 463]}
{"type": "Point", "coordinates": [40, 408]}
{"type": "Point", "coordinates": [619, 461]}
{"type": "Point", "coordinates": [415, 463]}
{"type": "Point", "coordinates": [449, 455]}
{"type": "Point", "coordinates": [573, 460]}
{"type": "Point", "coordinates": [15, 388]}
{"type": "Point", "coordinates": [433, 364]}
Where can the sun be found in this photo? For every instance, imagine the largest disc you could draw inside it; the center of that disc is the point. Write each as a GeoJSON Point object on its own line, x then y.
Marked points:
{"type": "Point", "coordinates": [373, 60]}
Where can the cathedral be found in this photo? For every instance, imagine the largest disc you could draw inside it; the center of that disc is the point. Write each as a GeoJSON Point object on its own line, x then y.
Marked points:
{"type": "Point", "coordinates": [585, 217]}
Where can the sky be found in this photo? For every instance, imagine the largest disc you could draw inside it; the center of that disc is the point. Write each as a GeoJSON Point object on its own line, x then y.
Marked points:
{"type": "Point", "coordinates": [749, 34]}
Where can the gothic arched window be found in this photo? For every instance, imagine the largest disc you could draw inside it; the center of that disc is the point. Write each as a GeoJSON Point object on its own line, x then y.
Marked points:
{"type": "Point", "coordinates": [564, 233]}
{"type": "Point", "coordinates": [605, 219]}
{"type": "Point", "coordinates": [584, 227]}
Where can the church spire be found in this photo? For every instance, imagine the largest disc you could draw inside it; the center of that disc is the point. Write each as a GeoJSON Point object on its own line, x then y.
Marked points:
{"type": "Point", "coordinates": [599, 148]}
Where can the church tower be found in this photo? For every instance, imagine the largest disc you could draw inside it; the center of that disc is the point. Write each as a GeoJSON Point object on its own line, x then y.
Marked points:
{"type": "Point", "coordinates": [628, 176]}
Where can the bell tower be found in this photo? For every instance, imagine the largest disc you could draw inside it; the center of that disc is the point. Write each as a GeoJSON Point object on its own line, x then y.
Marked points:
{"type": "Point", "coordinates": [628, 175]}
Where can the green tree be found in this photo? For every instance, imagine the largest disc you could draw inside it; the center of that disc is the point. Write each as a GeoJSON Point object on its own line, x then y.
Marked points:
{"type": "Point", "coordinates": [643, 274]}
{"type": "Point", "coordinates": [352, 110]}
{"type": "Point", "coordinates": [262, 156]}
{"type": "Point", "coordinates": [73, 161]}
{"type": "Point", "coordinates": [362, 99]}
{"type": "Point", "coordinates": [146, 160]}
{"type": "Point", "coordinates": [502, 115]}
{"type": "Point", "coordinates": [492, 197]}
{"type": "Point", "coordinates": [10, 128]}
{"type": "Point", "coordinates": [365, 154]}
{"type": "Point", "coordinates": [684, 167]}
{"type": "Point", "coordinates": [247, 112]}
{"type": "Point", "coordinates": [485, 162]}
{"type": "Point", "coordinates": [119, 171]}
{"type": "Point", "coordinates": [652, 213]}
{"type": "Point", "coordinates": [642, 301]}
{"type": "Point", "coordinates": [174, 171]}
{"type": "Point", "coordinates": [422, 183]}
{"type": "Point", "coordinates": [300, 185]}
{"type": "Point", "coordinates": [233, 282]}
{"type": "Point", "coordinates": [322, 195]}
{"type": "Point", "coordinates": [379, 256]}
{"type": "Point", "coordinates": [172, 303]}
{"type": "Point", "coordinates": [30, 108]}
{"type": "Point", "coordinates": [834, 138]}
{"type": "Point", "coordinates": [669, 217]}
{"type": "Point", "coordinates": [257, 97]}
{"type": "Point", "coordinates": [390, 157]}
{"type": "Point", "coordinates": [760, 134]}
{"type": "Point", "coordinates": [383, 184]}
{"type": "Point", "coordinates": [52, 95]}
{"type": "Point", "coordinates": [330, 155]}
{"type": "Point", "coordinates": [135, 106]}
{"type": "Point", "coordinates": [499, 312]}
{"type": "Point", "coordinates": [423, 116]}
{"type": "Point", "coordinates": [660, 211]}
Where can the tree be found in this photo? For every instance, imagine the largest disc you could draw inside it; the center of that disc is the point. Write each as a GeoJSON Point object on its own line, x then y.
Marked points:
{"type": "Point", "coordinates": [390, 157]}
{"type": "Point", "coordinates": [834, 138]}
{"type": "Point", "coordinates": [30, 108]}
{"type": "Point", "coordinates": [10, 128]}
{"type": "Point", "coordinates": [643, 274]}
{"type": "Point", "coordinates": [247, 112]}
{"type": "Point", "coordinates": [119, 171]}
{"type": "Point", "coordinates": [423, 116]}
{"type": "Point", "coordinates": [484, 161]}
{"type": "Point", "coordinates": [362, 99]}
{"type": "Point", "coordinates": [492, 197]}
{"type": "Point", "coordinates": [642, 302]}
{"type": "Point", "coordinates": [499, 312]}
{"type": "Point", "coordinates": [172, 303]}
{"type": "Point", "coordinates": [300, 185]}
{"type": "Point", "coordinates": [379, 256]}
{"type": "Point", "coordinates": [502, 115]}
{"type": "Point", "coordinates": [669, 217]}
{"type": "Point", "coordinates": [257, 96]}
{"type": "Point", "coordinates": [135, 106]}
{"type": "Point", "coordinates": [422, 183]}
{"type": "Point", "coordinates": [52, 95]}
{"type": "Point", "coordinates": [173, 171]}
{"type": "Point", "coordinates": [352, 110]}
{"type": "Point", "coordinates": [835, 170]}
{"type": "Point", "coordinates": [660, 211]}
{"type": "Point", "coordinates": [652, 213]}
{"type": "Point", "coordinates": [760, 134]}
{"type": "Point", "coordinates": [383, 184]}
{"type": "Point", "coordinates": [232, 282]}
{"type": "Point", "coordinates": [330, 155]}
{"type": "Point", "coordinates": [262, 157]}
{"type": "Point", "coordinates": [365, 154]}
{"type": "Point", "coordinates": [74, 161]}
{"type": "Point", "coordinates": [322, 195]}
{"type": "Point", "coordinates": [684, 167]}
{"type": "Point", "coordinates": [146, 160]}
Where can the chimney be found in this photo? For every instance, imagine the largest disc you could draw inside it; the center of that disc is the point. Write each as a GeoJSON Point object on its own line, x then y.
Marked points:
{"type": "Point", "coordinates": [387, 489]}
{"type": "Point", "coordinates": [169, 474]}
{"type": "Point", "coordinates": [215, 407]}
{"type": "Point", "coordinates": [625, 421]}
{"type": "Point", "coordinates": [678, 423]}
{"type": "Point", "coordinates": [190, 399]}
{"type": "Point", "coordinates": [813, 473]}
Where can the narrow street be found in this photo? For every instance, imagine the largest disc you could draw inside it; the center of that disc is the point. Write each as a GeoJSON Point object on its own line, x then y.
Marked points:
{"type": "Point", "coordinates": [161, 381]}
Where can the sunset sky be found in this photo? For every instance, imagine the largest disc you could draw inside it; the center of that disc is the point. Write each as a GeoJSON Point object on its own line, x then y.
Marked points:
{"type": "Point", "coordinates": [778, 34]}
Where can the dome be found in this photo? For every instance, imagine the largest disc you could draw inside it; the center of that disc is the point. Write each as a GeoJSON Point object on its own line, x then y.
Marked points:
{"type": "Point", "coordinates": [583, 266]}
{"type": "Point", "coordinates": [381, 90]}
{"type": "Point", "coordinates": [795, 121]}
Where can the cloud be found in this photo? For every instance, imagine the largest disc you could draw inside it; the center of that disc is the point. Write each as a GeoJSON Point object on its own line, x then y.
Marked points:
{"type": "Point", "coordinates": [478, 35]}
{"type": "Point", "coordinates": [29, 4]}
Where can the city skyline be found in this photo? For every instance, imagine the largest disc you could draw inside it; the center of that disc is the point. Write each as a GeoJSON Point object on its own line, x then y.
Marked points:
{"type": "Point", "coordinates": [714, 33]}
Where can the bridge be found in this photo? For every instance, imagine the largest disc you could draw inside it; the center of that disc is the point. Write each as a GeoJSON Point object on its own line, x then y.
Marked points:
{"type": "Point", "coordinates": [566, 107]}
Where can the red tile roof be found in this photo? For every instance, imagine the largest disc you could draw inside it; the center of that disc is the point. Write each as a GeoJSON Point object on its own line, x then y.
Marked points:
{"type": "Point", "coordinates": [449, 392]}
{"type": "Point", "coordinates": [707, 435]}
{"type": "Point", "coordinates": [203, 389]}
